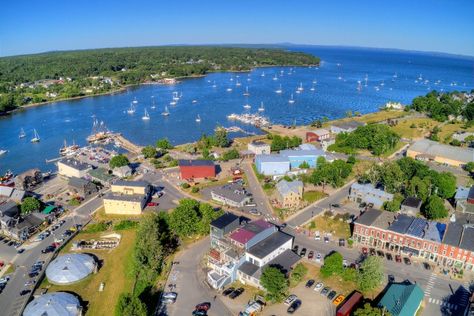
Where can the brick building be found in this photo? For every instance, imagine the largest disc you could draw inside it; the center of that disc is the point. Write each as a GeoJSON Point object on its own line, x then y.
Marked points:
{"type": "Point", "coordinates": [196, 169]}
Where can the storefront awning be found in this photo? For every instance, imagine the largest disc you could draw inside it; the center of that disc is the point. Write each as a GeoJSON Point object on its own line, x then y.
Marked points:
{"type": "Point", "coordinates": [411, 250]}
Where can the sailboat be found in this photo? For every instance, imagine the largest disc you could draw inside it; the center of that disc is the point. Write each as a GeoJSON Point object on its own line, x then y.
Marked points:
{"type": "Point", "coordinates": [214, 85]}
{"type": "Point", "coordinates": [153, 106]}
{"type": "Point", "coordinates": [263, 74]}
{"type": "Point", "coordinates": [291, 101]}
{"type": "Point", "coordinates": [279, 90]}
{"type": "Point", "coordinates": [198, 119]}
{"type": "Point", "coordinates": [359, 85]}
{"type": "Point", "coordinates": [246, 93]}
{"type": "Point", "coordinates": [312, 87]}
{"type": "Point", "coordinates": [22, 133]}
{"type": "Point", "coordinates": [238, 84]}
{"type": "Point", "coordinates": [261, 108]}
{"type": "Point", "coordinates": [247, 105]}
{"type": "Point", "coordinates": [194, 101]}
{"type": "Point", "coordinates": [3, 151]}
{"type": "Point", "coordinates": [135, 101]}
{"type": "Point", "coordinates": [300, 88]}
{"type": "Point", "coordinates": [131, 110]}
{"type": "Point", "coordinates": [166, 112]}
{"type": "Point", "coordinates": [173, 102]}
{"type": "Point", "coordinates": [366, 79]}
{"type": "Point", "coordinates": [229, 90]}
{"type": "Point", "coordinates": [175, 96]}
{"type": "Point", "coordinates": [68, 150]}
{"type": "Point", "coordinates": [146, 116]}
{"type": "Point", "coordinates": [275, 77]}
{"type": "Point", "coordinates": [36, 137]}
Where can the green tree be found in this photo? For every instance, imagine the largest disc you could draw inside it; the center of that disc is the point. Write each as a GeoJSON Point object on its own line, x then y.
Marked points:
{"type": "Point", "coordinates": [130, 305]}
{"type": "Point", "coordinates": [149, 152]}
{"type": "Point", "coordinates": [332, 265]}
{"type": "Point", "coordinates": [394, 205]}
{"type": "Point", "coordinates": [164, 143]}
{"type": "Point", "coordinates": [207, 214]}
{"type": "Point", "coordinates": [434, 208]}
{"type": "Point", "coordinates": [368, 310]}
{"type": "Point", "coordinates": [184, 219]}
{"type": "Point", "coordinates": [304, 165]}
{"type": "Point", "coordinates": [275, 284]}
{"type": "Point", "coordinates": [30, 204]}
{"type": "Point", "coordinates": [469, 167]}
{"type": "Point", "coordinates": [351, 159]}
{"type": "Point", "coordinates": [221, 138]}
{"type": "Point", "coordinates": [298, 273]}
{"type": "Point", "coordinates": [118, 161]}
{"type": "Point", "coordinates": [230, 154]}
{"type": "Point", "coordinates": [445, 183]}
{"type": "Point", "coordinates": [392, 177]}
{"type": "Point", "coordinates": [370, 274]}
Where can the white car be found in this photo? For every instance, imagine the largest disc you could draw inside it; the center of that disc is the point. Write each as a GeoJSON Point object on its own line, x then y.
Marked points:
{"type": "Point", "coordinates": [317, 235]}
{"type": "Point", "coordinates": [318, 287]}
{"type": "Point", "coordinates": [290, 299]}
{"type": "Point", "coordinates": [318, 257]}
{"type": "Point", "coordinates": [345, 263]}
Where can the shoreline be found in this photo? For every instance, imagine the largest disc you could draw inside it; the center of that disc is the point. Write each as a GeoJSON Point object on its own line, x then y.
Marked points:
{"type": "Point", "coordinates": [124, 88]}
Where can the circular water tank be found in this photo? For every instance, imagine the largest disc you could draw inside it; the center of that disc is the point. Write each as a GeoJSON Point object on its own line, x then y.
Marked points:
{"type": "Point", "coordinates": [70, 268]}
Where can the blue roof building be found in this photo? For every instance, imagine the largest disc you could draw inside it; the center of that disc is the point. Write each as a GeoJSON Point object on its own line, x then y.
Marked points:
{"type": "Point", "coordinates": [402, 299]}
{"type": "Point", "coordinates": [272, 165]}
{"type": "Point", "coordinates": [297, 157]}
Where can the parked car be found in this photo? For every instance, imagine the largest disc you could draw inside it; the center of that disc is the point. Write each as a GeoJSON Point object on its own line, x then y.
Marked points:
{"type": "Point", "coordinates": [338, 300]}
{"type": "Point", "coordinates": [21, 250]}
{"type": "Point", "coordinates": [203, 306]}
{"type": "Point", "coordinates": [309, 283]}
{"type": "Point", "coordinates": [326, 239]}
{"type": "Point", "coordinates": [342, 242]}
{"type": "Point", "coordinates": [318, 257]}
{"type": "Point", "coordinates": [325, 291]}
{"type": "Point", "coordinates": [365, 251]}
{"type": "Point", "coordinates": [24, 292]}
{"type": "Point", "coordinates": [295, 248]}
{"type": "Point", "coordinates": [317, 235]}
{"type": "Point", "coordinates": [228, 291]}
{"type": "Point", "coordinates": [282, 225]}
{"type": "Point", "coordinates": [372, 251]}
{"type": "Point", "coordinates": [407, 261]}
{"type": "Point", "coordinates": [331, 295]}
{"type": "Point", "coordinates": [391, 278]}
{"type": "Point", "coordinates": [48, 249]}
{"type": "Point", "coordinates": [170, 295]}
{"type": "Point", "coordinates": [255, 212]}
{"type": "Point", "coordinates": [152, 204]}
{"type": "Point", "coordinates": [335, 205]}
{"type": "Point", "coordinates": [311, 255]}
{"type": "Point", "coordinates": [294, 307]}
{"type": "Point", "coordinates": [290, 299]}
{"type": "Point", "coordinates": [345, 263]}
{"type": "Point", "coordinates": [199, 312]}
{"type": "Point", "coordinates": [427, 266]}
{"type": "Point", "coordinates": [380, 254]}
{"type": "Point", "coordinates": [236, 293]}
{"type": "Point", "coordinates": [398, 258]}
{"type": "Point", "coordinates": [303, 252]}
{"type": "Point", "coordinates": [389, 256]}
{"type": "Point", "coordinates": [318, 286]}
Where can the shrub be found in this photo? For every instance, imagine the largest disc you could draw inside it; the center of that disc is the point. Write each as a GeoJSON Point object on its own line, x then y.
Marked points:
{"type": "Point", "coordinates": [195, 190]}
{"type": "Point", "coordinates": [185, 185]}
{"type": "Point", "coordinates": [125, 224]}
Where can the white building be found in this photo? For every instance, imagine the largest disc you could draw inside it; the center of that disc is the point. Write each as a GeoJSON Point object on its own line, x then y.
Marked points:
{"type": "Point", "coordinates": [70, 167]}
{"type": "Point", "coordinates": [259, 148]}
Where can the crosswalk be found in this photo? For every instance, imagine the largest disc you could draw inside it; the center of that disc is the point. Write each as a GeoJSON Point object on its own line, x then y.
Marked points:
{"type": "Point", "coordinates": [442, 303]}
{"type": "Point", "coordinates": [429, 286]}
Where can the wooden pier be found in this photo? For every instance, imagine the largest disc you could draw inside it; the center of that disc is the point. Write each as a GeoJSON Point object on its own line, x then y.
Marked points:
{"type": "Point", "coordinates": [126, 144]}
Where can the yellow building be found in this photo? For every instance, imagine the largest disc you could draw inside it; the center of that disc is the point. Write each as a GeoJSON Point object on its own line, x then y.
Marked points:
{"type": "Point", "coordinates": [70, 167]}
{"type": "Point", "coordinates": [127, 198]}
{"type": "Point", "coordinates": [289, 194]}
{"type": "Point", "coordinates": [428, 150]}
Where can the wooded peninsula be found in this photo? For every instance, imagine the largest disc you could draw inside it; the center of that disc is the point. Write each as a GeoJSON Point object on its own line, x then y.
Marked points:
{"type": "Point", "coordinates": [29, 79]}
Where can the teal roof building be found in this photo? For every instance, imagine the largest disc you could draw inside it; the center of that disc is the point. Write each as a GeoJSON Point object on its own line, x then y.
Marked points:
{"type": "Point", "coordinates": [402, 299]}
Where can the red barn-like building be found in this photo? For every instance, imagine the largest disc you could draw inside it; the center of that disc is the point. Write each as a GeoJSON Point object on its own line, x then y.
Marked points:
{"type": "Point", "coordinates": [195, 169]}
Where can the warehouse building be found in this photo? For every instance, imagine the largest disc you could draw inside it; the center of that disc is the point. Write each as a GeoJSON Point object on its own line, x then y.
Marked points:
{"type": "Point", "coordinates": [272, 165]}
{"type": "Point", "coordinates": [70, 167]}
{"type": "Point", "coordinates": [127, 197]}
{"type": "Point", "coordinates": [428, 150]}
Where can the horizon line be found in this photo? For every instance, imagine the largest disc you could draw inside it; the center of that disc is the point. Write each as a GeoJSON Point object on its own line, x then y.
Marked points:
{"type": "Point", "coordinates": [281, 44]}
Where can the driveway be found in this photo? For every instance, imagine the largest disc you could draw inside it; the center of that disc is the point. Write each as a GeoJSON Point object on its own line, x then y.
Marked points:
{"type": "Point", "coordinates": [189, 278]}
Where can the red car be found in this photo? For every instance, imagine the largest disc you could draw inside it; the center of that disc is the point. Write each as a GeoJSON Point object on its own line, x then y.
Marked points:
{"type": "Point", "coordinates": [398, 258]}
{"type": "Point", "coordinates": [203, 306]}
{"type": "Point", "coordinates": [152, 204]}
{"type": "Point", "coordinates": [365, 251]}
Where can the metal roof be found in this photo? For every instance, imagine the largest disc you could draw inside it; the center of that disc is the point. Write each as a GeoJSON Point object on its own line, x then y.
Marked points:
{"type": "Point", "coordinates": [426, 146]}
{"type": "Point", "coordinates": [302, 152]}
{"type": "Point", "coordinates": [467, 241]}
{"type": "Point", "coordinates": [8, 208]}
{"type": "Point", "coordinates": [417, 227]}
{"type": "Point", "coordinates": [320, 132]}
{"type": "Point", "coordinates": [271, 158]}
{"type": "Point", "coordinates": [435, 231]}
{"type": "Point", "coordinates": [402, 299]}
{"type": "Point", "coordinates": [76, 164]}
{"type": "Point", "coordinates": [70, 268]}
{"type": "Point", "coordinates": [269, 244]}
{"type": "Point", "coordinates": [54, 304]}
{"type": "Point", "coordinates": [462, 193]}
{"type": "Point", "coordinates": [232, 191]}
{"type": "Point", "coordinates": [248, 268]}
{"type": "Point", "coordinates": [412, 202]}
{"type": "Point", "coordinates": [307, 147]}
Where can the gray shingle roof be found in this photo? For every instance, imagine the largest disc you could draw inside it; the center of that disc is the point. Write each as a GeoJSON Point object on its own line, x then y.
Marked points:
{"type": "Point", "coordinates": [285, 187]}
{"type": "Point", "coordinates": [248, 268]}
{"type": "Point", "coordinates": [131, 183]}
{"type": "Point", "coordinates": [76, 164]}
{"type": "Point", "coordinates": [401, 224]}
{"type": "Point", "coordinates": [467, 241]}
{"type": "Point", "coordinates": [368, 217]}
{"type": "Point", "coordinates": [224, 220]}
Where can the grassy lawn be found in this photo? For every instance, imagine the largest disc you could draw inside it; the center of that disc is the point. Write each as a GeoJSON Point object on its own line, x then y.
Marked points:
{"type": "Point", "coordinates": [371, 117]}
{"type": "Point", "coordinates": [395, 149]}
{"type": "Point", "coordinates": [423, 126]}
{"type": "Point", "coordinates": [114, 273]}
{"type": "Point", "coordinates": [313, 196]}
{"type": "Point", "coordinates": [337, 228]}
{"type": "Point", "coordinates": [449, 129]}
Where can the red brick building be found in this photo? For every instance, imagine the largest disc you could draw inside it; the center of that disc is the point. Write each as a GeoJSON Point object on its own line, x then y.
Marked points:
{"type": "Point", "coordinates": [196, 169]}
{"type": "Point", "coordinates": [449, 245]}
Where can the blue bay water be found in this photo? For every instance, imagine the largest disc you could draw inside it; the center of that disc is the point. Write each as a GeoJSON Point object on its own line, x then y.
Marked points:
{"type": "Point", "coordinates": [392, 76]}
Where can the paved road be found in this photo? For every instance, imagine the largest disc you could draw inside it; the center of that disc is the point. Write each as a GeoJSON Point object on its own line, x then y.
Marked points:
{"type": "Point", "coordinates": [259, 196]}
{"type": "Point", "coordinates": [11, 302]}
{"type": "Point", "coordinates": [317, 208]}
{"type": "Point", "coordinates": [438, 289]}
{"type": "Point", "coordinates": [190, 284]}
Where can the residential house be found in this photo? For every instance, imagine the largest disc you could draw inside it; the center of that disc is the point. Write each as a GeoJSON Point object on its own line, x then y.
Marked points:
{"type": "Point", "coordinates": [428, 150]}
{"type": "Point", "coordinates": [82, 187]}
{"type": "Point", "coordinates": [345, 127]}
{"type": "Point", "coordinates": [259, 148]}
{"type": "Point", "coordinates": [402, 299]}
{"type": "Point", "coordinates": [196, 169]}
{"type": "Point", "coordinates": [8, 214]}
{"type": "Point", "coordinates": [368, 194]}
{"type": "Point", "coordinates": [289, 194]}
{"type": "Point", "coordinates": [122, 172]}
{"type": "Point", "coordinates": [14, 194]}
{"type": "Point", "coordinates": [25, 226]}
{"type": "Point", "coordinates": [70, 167]}
{"type": "Point", "coordinates": [127, 197]}
{"type": "Point", "coordinates": [317, 135]}
{"type": "Point", "coordinates": [28, 179]}
{"type": "Point", "coordinates": [464, 199]}
{"type": "Point", "coordinates": [411, 206]}
{"type": "Point", "coordinates": [325, 143]}
{"type": "Point", "coordinates": [232, 194]}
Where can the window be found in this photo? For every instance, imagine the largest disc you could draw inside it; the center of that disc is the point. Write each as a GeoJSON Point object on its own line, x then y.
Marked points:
{"type": "Point", "coordinates": [444, 252]}
{"type": "Point", "coordinates": [424, 245]}
{"type": "Point", "coordinates": [451, 254]}
{"type": "Point", "coordinates": [436, 249]}
{"type": "Point", "coordinates": [383, 236]}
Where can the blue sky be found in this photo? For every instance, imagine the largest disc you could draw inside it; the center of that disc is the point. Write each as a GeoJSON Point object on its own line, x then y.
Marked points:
{"type": "Point", "coordinates": [36, 26]}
